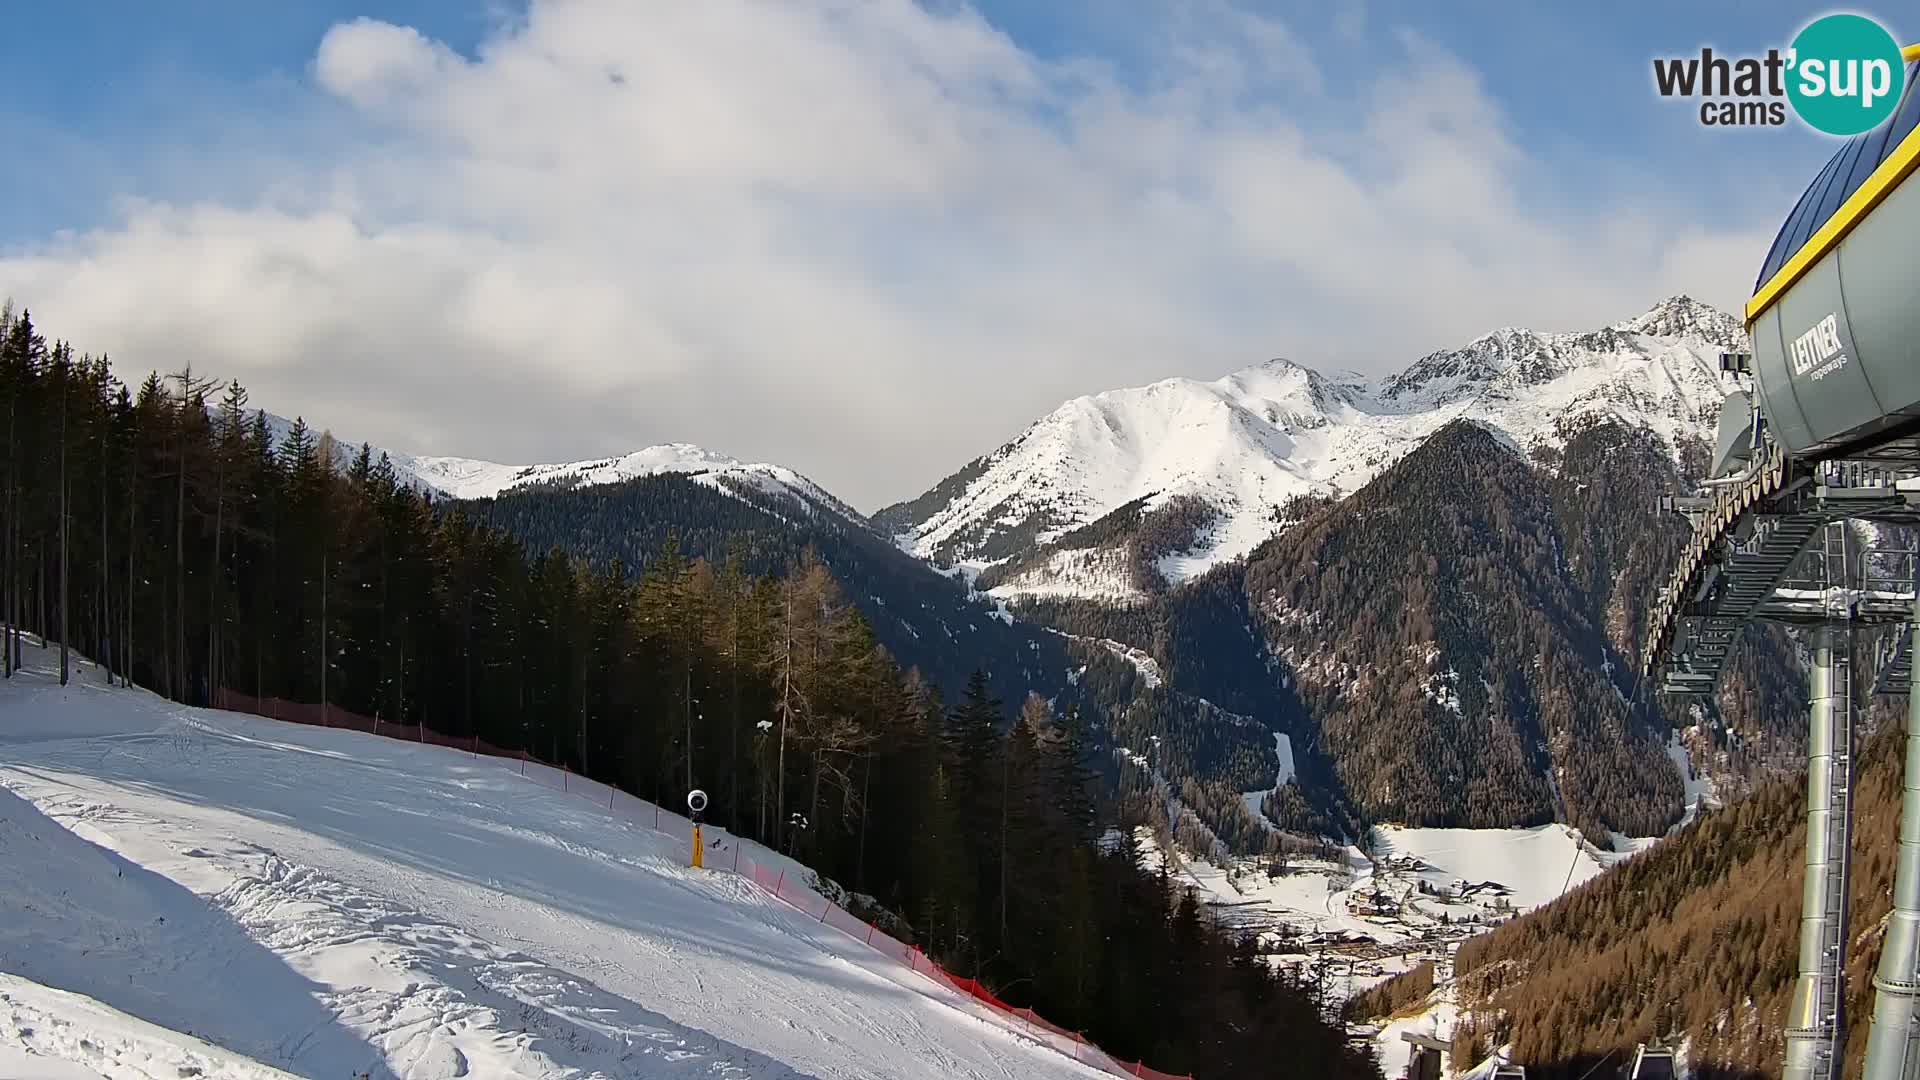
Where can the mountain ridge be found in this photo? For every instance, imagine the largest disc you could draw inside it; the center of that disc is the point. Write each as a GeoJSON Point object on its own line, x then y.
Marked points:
{"type": "Point", "coordinates": [1192, 561]}
{"type": "Point", "coordinates": [1244, 445]}
{"type": "Point", "coordinates": [469, 479]}
{"type": "Point", "coordinates": [1250, 441]}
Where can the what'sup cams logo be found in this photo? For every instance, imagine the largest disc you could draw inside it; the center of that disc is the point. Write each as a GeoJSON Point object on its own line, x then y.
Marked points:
{"type": "Point", "coordinates": [1842, 75]}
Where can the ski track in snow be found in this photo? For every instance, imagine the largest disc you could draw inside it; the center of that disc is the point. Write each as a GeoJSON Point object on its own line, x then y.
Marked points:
{"type": "Point", "coordinates": [48, 1034]}
{"type": "Point", "coordinates": [336, 902]}
{"type": "Point", "coordinates": [1283, 756]}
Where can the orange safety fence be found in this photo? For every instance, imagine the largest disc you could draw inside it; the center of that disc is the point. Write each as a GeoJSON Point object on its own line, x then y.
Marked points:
{"type": "Point", "coordinates": [776, 879]}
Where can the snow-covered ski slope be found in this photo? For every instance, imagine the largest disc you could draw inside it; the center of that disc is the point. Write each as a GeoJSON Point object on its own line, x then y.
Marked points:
{"type": "Point", "coordinates": [59, 1035]}
{"type": "Point", "coordinates": [325, 903]}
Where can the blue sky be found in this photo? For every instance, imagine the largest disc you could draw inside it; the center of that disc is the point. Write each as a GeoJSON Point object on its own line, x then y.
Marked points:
{"type": "Point", "coordinates": [116, 92]}
{"type": "Point", "coordinates": [998, 205]}
{"type": "Point", "coordinates": [120, 87]}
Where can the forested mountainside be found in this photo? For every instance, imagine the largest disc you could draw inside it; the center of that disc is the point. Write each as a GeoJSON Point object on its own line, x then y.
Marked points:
{"type": "Point", "coordinates": [926, 620]}
{"type": "Point", "coordinates": [1695, 939]}
{"type": "Point", "coordinates": [1210, 754]}
{"type": "Point", "coordinates": [163, 530]}
{"type": "Point", "coordinates": [1436, 627]}
{"type": "Point", "coordinates": [1220, 698]}
{"type": "Point", "coordinates": [1453, 644]}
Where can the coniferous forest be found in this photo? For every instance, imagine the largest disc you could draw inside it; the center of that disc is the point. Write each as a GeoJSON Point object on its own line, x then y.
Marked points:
{"type": "Point", "coordinates": [1693, 940]}
{"type": "Point", "coordinates": [160, 529]}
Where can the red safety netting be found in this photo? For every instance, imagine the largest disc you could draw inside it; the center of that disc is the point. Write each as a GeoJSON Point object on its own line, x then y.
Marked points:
{"type": "Point", "coordinates": [779, 883]}
{"type": "Point", "coordinates": [725, 853]}
{"type": "Point", "coordinates": [1079, 1048]}
{"type": "Point", "coordinates": [335, 717]}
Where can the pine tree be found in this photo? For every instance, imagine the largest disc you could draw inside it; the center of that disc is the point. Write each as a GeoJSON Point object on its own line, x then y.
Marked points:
{"type": "Point", "coordinates": [228, 452]}
{"type": "Point", "coordinates": [973, 760]}
{"type": "Point", "coordinates": [189, 459]}
{"type": "Point", "coordinates": [21, 357]}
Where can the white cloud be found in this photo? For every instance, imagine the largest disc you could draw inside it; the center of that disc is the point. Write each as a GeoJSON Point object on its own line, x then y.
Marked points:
{"type": "Point", "coordinates": [375, 64]}
{"type": "Point", "coordinates": [862, 238]}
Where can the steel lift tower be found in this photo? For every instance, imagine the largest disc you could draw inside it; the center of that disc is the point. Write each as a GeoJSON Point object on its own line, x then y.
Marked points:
{"type": "Point", "coordinates": [1818, 454]}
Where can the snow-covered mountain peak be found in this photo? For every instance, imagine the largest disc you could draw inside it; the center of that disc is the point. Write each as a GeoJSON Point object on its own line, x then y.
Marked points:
{"type": "Point", "coordinates": [1452, 375]}
{"type": "Point", "coordinates": [1290, 395]}
{"type": "Point", "coordinates": [465, 478]}
{"type": "Point", "coordinates": [1279, 368]}
{"type": "Point", "coordinates": [471, 478]}
{"type": "Point", "coordinates": [1230, 442]}
{"type": "Point", "coordinates": [1684, 317]}
{"type": "Point", "coordinates": [679, 457]}
{"type": "Point", "coordinates": [1243, 445]}
{"type": "Point", "coordinates": [1500, 364]}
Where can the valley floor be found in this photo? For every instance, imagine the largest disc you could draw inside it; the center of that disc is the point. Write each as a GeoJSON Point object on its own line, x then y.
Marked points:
{"type": "Point", "coordinates": [1359, 921]}
{"type": "Point", "coordinates": [1317, 913]}
{"type": "Point", "coordinates": [203, 890]}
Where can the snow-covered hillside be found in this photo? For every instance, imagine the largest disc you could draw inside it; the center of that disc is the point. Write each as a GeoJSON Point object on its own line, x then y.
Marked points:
{"type": "Point", "coordinates": [1247, 443]}
{"type": "Point", "coordinates": [183, 890]}
{"type": "Point", "coordinates": [471, 478]}
{"type": "Point", "coordinates": [48, 1034]}
{"type": "Point", "coordinates": [466, 478]}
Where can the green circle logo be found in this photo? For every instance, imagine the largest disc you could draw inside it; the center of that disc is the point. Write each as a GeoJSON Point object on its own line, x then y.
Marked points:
{"type": "Point", "coordinates": [1845, 74]}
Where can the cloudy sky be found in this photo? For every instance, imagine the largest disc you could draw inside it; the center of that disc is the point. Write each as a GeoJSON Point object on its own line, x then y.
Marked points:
{"type": "Point", "coordinates": [870, 239]}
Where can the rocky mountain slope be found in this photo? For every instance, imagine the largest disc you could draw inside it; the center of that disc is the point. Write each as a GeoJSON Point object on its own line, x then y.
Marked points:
{"type": "Point", "coordinates": [1125, 493]}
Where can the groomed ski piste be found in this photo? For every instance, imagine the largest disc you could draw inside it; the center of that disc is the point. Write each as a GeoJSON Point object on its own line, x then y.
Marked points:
{"type": "Point", "coordinates": [185, 892]}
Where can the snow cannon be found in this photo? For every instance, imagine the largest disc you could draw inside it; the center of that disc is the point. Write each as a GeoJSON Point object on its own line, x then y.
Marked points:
{"type": "Point", "coordinates": [1833, 317]}
{"type": "Point", "coordinates": [697, 806]}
